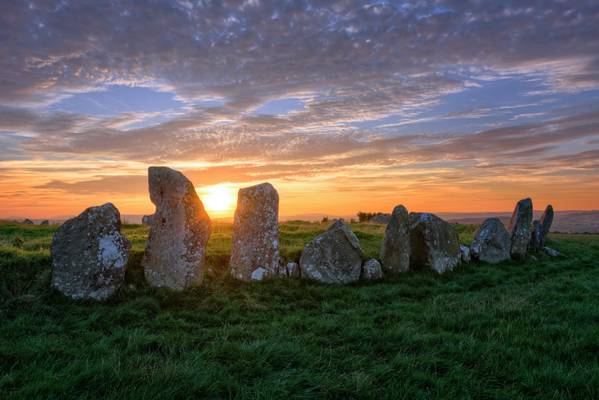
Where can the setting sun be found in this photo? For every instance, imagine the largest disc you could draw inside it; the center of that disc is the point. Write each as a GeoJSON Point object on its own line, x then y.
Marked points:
{"type": "Point", "coordinates": [219, 200]}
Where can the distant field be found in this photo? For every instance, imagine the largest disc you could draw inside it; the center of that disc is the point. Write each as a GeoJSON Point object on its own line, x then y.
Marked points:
{"type": "Point", "coordinates": [515, 330]}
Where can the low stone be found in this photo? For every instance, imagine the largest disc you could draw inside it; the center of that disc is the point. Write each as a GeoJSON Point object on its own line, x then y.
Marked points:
{"type": "Point", "coordinates": [395, 249]}
{"type": "Point", "coordinates": [334, 256]}
{"type": "Point", "coordinates": [255, 251]}
{"type": "Point", "coordinates": [147, 219]}
{"type": "Point", "coordinates": [179, 231]}
{"type": "Point", "coordinates": [380, 219]}
{"type": "Point", "coordinates": [433, 243]}
{"type": "Point", "coordinates": [371, 270]}
{"type": "Point", "coordinates": [89, 254]}
{"type": "Point", "coordinates": [551, 252]}
{"type": "Point", "coordinates": [492, 242]}
{"type": "Point", "coordinates": [521, 228]}
{"type": "Point", "coordinates": [465, 253]}
{"type": "Point", "coordinates": [27, 221]}
{"type": "Point", "coordinates": [292, 270]}
{"type": "Point", "coordinates": [45, 222]}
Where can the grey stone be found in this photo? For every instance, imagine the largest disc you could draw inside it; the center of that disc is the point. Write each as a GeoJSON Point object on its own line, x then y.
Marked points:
{"type": "Point", "coordinates": [541, 229]}
{"type": "Point", "coordinates": [292, 270]}
{"type": "Point", "coordinates": [334, 256]}
{"type": "Point", "coordinates": [27, 221]}
{"type": "Point", "coordinates": [45, 222]}
{"type": "Point", "coordinates": [492, 242]}
{"type": "Point", "coordinates": [371, 270]}
{"type": "Point", "coordinates": [395, 249]}
{"type": "Point", "coordinates": [465, 253]}
{"type": "Point", "coordinates": [433, 243]}
{"type": "Point", "coordinates": [551, 252]}
{"type": "Point", "coordinates": [180, 229]}
{"type": "Point", "coordinates": [89, 254]}
{"type": "Point", "coordinates": [147, 219]}
{"type": "Point", "coordinates": [521, 228]}
{"type": "Point", "coordinates": [256, 233]}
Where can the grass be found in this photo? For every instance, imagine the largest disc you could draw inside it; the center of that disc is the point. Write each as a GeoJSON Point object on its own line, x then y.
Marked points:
{"type": "Point", "coordinates": [515, 330]}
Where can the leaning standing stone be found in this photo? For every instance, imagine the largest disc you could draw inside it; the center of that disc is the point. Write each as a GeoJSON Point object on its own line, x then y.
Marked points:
{"type": "Point", "coordinates": [255, 253]}
{"type": "Point", "coordinates": [333, 257]}
{"type": "Point", "coordinates": [89, 254]}
{"type": "Point", "coordinates": [395, 250]}
{"type": "Point", "coordinates": [491, 242]}
{"type": "Point", "coordinates": [433, 243]}
{"type": "Point", "coordinates": [520, 228]}
{"type": "Point", "coordinates": [179, 231]}
{"type": "Point", "coordinates": [541, 229]}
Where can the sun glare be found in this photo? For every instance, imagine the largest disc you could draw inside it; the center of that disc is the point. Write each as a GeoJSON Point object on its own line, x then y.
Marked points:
{"type": "Point", "coordinates": [219, 200]}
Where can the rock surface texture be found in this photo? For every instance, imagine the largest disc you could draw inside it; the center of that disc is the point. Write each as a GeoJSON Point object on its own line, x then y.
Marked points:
{"type": "Point", "coordinates": [147, 219]}
{"type": "Point", "coordinates": [395, 249]}
{"type": "Point", "coordinates": [334, 256]}
{"type": "Point", "coordinates": [433, 243]}
{"type": "Point", "coordinates": [180, 229]}
{"type": "Point", "coordinates": [89, 254]}
{"type": "Point", "coordinates": [541, 228]}
{"type": "Point", "coordinates": [291, 270]}
{"type": "Point", "coordinates": [521, 228]}
{"type": "Point", "coordinates": [371, 270]}
{"type": "Point", "coordinates": [255, 252]}
{"type": "Point", "coordinates": [492, 242]}
{"type": "Point", "coordinates": [465, 253]}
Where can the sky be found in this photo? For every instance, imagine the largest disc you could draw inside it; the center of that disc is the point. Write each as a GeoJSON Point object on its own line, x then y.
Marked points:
{"type": "Point", "coordinates": [344, 106]}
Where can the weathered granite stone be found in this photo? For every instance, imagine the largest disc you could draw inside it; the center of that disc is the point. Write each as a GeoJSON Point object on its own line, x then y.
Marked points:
{"type": "Point", "coordinates": [465, 253]}
{"type": "Point", "coordinates": [395, 249]}
{"type": "Point", "coordinates": [334, 256]}
{"type": "Point", "coordinates": [433, 243]}
{"type": "Point", "coordinates": [292, 270]}
{"type": "Point", "coordinates": [541, 228]}
{"type": "Point", "coordinates": [147, 219]}
{"type": "Point", "coordinates": [551, 252]}
{"type": "Point", "coordinates": [180, 229]}
{"type": "Point", "coordinates": [255, 253]}
{"type": "Point", "coordinates": [89, 254]}
{"type": "Point", "coordinates": [521, 228]}
{"type": "Point", "coordinates": [371, 270]}
{"type": "Point", "coordinates": [491, 242]}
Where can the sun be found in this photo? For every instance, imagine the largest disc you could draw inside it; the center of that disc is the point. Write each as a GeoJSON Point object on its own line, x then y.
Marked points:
{"type": "Point", "coordinates": [219, 200]}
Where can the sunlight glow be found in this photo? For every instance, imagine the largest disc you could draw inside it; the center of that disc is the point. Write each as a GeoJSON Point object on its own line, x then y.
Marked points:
{"type": "Point", "coordinates": [219, 200]}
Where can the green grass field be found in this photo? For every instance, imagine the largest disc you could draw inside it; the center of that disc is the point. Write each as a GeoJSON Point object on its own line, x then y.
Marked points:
{"type": "Point", "coordinates": [515, 330]}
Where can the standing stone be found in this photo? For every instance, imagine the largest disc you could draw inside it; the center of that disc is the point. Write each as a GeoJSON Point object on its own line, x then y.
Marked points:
{"type": "Point", "coordinates": [45, 222]}
{"type": "Point", "coordinates": [520, 228]}
{"type": "Point", "coordinates": [255, 253]}
{"type": "Point", "coordinates": [334, 256]}
{"type": "Point", "coordinates": [541, 228]}
{"type": "Point", "coordinates": [292, 270]}
{"type": "Point", "coordinates": [465, 253]}
{"type": "Point", "coordinates": [395, 249]}
{"type": "Point", "coordinates": [89, 254]}
{"type": "Point", "coordinates": [491, 242]}
{"type": "Point", "coordinates": [147, 220]}
{"type": "Point", "coordinates": [180, 229]}
{"type": "Point", "coordinates": [433, 243]}
{"type": "Point", "coordinates": [371, 271]}
{"type": "Point", "coordinates": [27, 221]}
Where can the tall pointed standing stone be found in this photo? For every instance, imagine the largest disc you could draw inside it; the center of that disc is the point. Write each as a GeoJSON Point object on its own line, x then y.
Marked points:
{"type": "Point", "coordinates": [520, 228]}
{"type": "Point", "coordinates": [395, 250]}
{"type": "Point", "coordinates": [255, 253]}
{"type": "Point", "coordinates": [541, 229]}
{"type": "Point", "coordinates": [179, 231]}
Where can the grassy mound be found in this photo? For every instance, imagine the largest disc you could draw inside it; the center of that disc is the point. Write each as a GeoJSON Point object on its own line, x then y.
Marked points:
{"type": "Point", "coordinates": [515, 330]}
